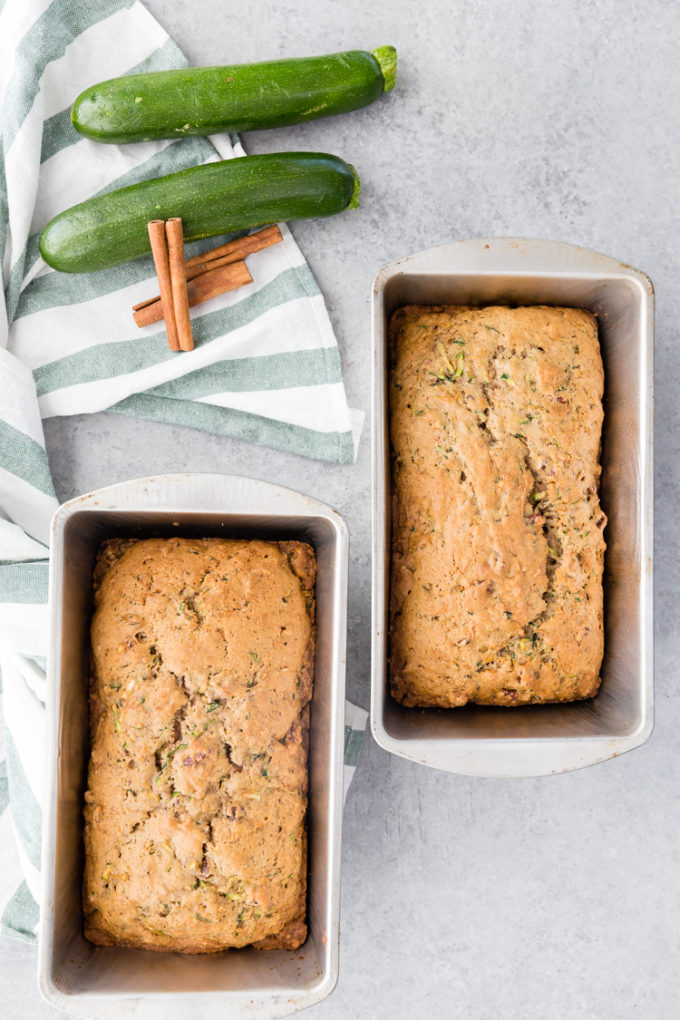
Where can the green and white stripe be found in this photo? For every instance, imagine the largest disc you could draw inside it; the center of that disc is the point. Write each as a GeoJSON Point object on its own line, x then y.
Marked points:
{"type": "Point", "coordinates": [266, 366]}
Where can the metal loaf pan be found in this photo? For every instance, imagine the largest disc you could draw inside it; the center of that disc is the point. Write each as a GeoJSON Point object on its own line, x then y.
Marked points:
{"type": "Point", "coordinates": [532, 741]}
{"type": "Point", "coordinates": [112, 983]}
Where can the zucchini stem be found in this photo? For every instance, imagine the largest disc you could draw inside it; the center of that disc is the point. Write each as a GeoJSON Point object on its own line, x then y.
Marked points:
{"type": "Point", "coordinates": [387, 62]}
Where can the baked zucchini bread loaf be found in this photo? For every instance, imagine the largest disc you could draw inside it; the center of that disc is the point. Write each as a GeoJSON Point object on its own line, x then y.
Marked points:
{"type": "Point", "coordinates": [202, 654]}
{"type": "Point", "coordinates": [498, 549]}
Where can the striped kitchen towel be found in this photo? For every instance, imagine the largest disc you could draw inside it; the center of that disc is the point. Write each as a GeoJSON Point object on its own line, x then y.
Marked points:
{"type": "Point", "coordinates": [266, 365]}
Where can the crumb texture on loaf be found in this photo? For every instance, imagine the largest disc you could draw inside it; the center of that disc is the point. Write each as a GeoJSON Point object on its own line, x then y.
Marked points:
{"type": "Point", "coordinates": [497, 530]}
{"type": "Point", "coordinates": [203, 654]}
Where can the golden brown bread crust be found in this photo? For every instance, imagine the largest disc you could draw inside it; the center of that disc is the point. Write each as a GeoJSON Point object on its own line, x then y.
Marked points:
{"type": "Point", "coordinates": [496, 585]}
{"type": "Point", "coordinates": [203, 653]}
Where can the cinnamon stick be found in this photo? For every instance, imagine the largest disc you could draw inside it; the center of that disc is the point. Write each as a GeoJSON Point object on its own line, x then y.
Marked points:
{"type": "Point", "coordinates": [159, 250]}
{"type": "Point", "coordinates": [198, 268]}
{"type": "Point", "coordinates": [178, 282]}
{"type": "Point", "coordinates": [237, 250]}
{"type": "Point", "coordinates": [228, 257]}
{"type": "Point", "coordinates": [203, 287]}
{"type": "Point", "coordinates": [191, 273]}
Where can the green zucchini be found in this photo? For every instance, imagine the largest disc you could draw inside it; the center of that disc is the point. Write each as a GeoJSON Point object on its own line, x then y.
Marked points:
{"type": "Point", "coordinates": [206, 100]}
{"type": "Point", "coordinates": [216, 198]}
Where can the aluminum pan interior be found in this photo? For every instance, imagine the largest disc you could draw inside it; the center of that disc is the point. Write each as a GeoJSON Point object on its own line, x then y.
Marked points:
{"type": "Point", "coordinates": [536, 740]}
{"type": "Point", "coordinates": [107, 983]}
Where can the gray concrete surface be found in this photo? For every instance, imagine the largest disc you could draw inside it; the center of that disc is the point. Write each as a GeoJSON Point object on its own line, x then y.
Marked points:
{"type": "Point", "coordinates": [549, 899]}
